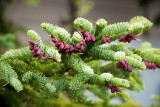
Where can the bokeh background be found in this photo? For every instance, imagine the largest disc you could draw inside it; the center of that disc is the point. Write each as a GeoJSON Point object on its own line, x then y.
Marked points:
{"type": "Point", "coordinates": [30, 14]}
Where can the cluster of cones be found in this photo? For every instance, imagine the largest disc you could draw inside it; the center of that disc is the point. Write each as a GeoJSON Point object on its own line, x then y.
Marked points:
{"type": "Point", "coordinates": [114, 89]}
{"type": "Point", "coordinates": [65, 48]}
{"type": "Point", "coordinates": [127, 38]}
{"type": "Point", "coordinates": [124, 66]}
{"type": "Point", "coordinates": [35, 49]}
{"type": "Point", "coordinates": [106, 39]}
{"type": "Point", "coordinates": [151, 65]}
{"type": "Point", "coordinates": [88, 38]}
{"type": "Point", "coordinates": [37, 52]}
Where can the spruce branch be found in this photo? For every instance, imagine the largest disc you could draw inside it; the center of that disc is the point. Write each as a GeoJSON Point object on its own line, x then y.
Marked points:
{"type": "Point", "coordinates": [10, 76]}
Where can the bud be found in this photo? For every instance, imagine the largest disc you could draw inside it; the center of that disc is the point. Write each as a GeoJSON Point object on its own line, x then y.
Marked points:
{"type": "Point", "coordinates": [55, 60]}
{"type": "Point", "coordinates": [112, 90]}
{"type": "Point", "coordinates": [36, 48]}
{"type": "Point", "coordinates": [104, 39]}
{"type": "Point", "coordinates": [88, 42]}
{"type": "Point", "coordinates": [86, 34]}
{"type": "Point", "coordinates": [54, 40]}
{"type": "Point", "coordinates": [81, 43]}
{"type": "Point", "coordinates": [92, 38]}
{"type": "Point", "coordinates": [158, 65]}
{"type": "Point", "coordinates": [126, 37]}
{"type": "Point", "coordinates": [125, 67]}
{"type": "Point", "coordinates": [52, 36]}
{"type": "Point", "coordinates": [134, 37]}
{"type": "Point", "coordinates": [36, 43]}
{"type": "Point", "coordinates": [109, 85]}
{"type": "Point", "coordinates": [31, 47]}
{"type": "Point", "coordinates": [122, 62]}
{"type": "Point", "coordinates": [88, 38]}
{"type": "Point", "coordinates": [108, 40]}
{"type": "Point", "coordinates": [61, 47]}
{"type": "Point", "coordinates": [146, 63]}
{"type": "Point", "coordinates": [77, 46]}
{"type": "Point", "coordinates": [153, 66]}
{"type": "Point", "coordinates": [81, 48]}
{"type": "Point", "coordinates": [33, 51]}
{"type": "Point", "coordinates": [117, 89]}
{"type": "Point", "coordinates": [125, 60]}
{"type": "Point", "coordinates": [124, 40]}
{"type": "Point", "coordinates": [70, 47]}
{"type": "Point", "coordinates": [66, 50]}
{"type": "Point", "coordinates": [129, 40]}
{"type": "Point", "coordinates": [81, 31]}
{"type": "Point", "coordinates": [121, 38]}
{"type": "Point", "coordinates": [40, 56]}
{"type": "Point", "coordinates": [118, 65]}
{"type": "Point", "coordinates": [46, 57]}
{"type": "Point", "coordinates": [31, 41]}
{"type": "Point", "coordinates": [66, 46]}
{"type": "Point", "coordinates": [38, 52]}
{"type": "Point", "coordinates": [129, 35]}
{"type": "Point", "coordinates": [57, 44]}
{"type": "Point", "coordinates": [129, 68]}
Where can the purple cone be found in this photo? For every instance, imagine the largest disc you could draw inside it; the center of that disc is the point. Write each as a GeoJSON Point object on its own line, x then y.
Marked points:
{"type": "Point", "coordinates": [153, 66]}
{"type": "Point", "coordinates": [55, 60]}
{"type": "Point", "coordinates": [40, 56]}
{"type": "Point", "coordinates": [66, 46]}
{"type": "Point", "coordinates": [88, 38]}
{"type": "Point", "coordinates": [31, 41]}
{"type": "Point", "coordinates": [81, 31]}
{"type": "Point", "coordinates": [52, 36]}
{"type": "Point", "coordinates": [81, 43]}
{"type": "Point", "coordinates": [149, 65]}
{"type": "Point", "coordinates": [112, 90]}
{"type": "Point", "coordinates": [66, 50]}
{"type": "Point", "coordinates": [108, 40]}
{"type": "Point", "coordinates": [117, 89]}
{"type": "Point", "coordinates": [57, 44]}
{"type": "Point", "coordinates": [86, 34]}
{"type": "Point", "coordinates": [118, 65]}
{"type": "Point", "coordinates": [38, 52]}
{"type": "Point", "coordinates": [36, 43]}
{"type": "Point", "coordinates": [93, 38]}
{"type": "Point", "coordinates": [125, 67]}
{"type": "Point", "coordinates": [77, 46]}
{"type": "Point", "coordinates": [54, 40]}
{"type": "Point", "coordinates": [158, 65]}
{"type": "Point", "coordinates": [122, 62]}
{"type": "Point", "coordinates": [31, 47]}
{"type": "Point", "coordinates": [36, 48]}
{"type": "Point", "coordinates": [70, 47]}
{"type": "Point", "coordinates": [33, 51]}
{"type": "Point", "coordinates": [109, 85]}
{"type": "Point", "coordinates": [46, 57]}
{"type": "Point", "coordinates": [125, 60]}
{"type": "Point", "coordinates": [129, 68]}
{"type": "Point", "coordinates": [121, 38]}
{"type": "Point", "coordinates": [104, 39]}
{"type": "Point", "coordinates": [124, 40]}
{"type": "Point", "coordinates": [81, 48]}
